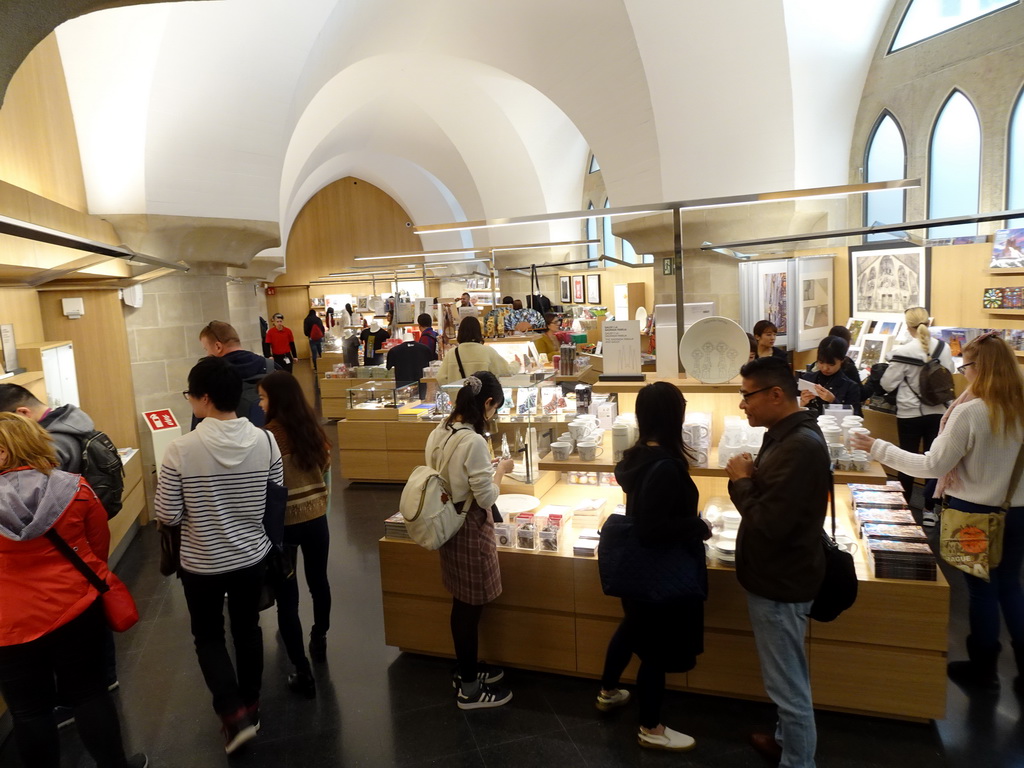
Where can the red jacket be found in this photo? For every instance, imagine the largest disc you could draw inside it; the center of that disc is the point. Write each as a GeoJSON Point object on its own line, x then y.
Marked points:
{"type": "Point", "coordinates": [40, 590]}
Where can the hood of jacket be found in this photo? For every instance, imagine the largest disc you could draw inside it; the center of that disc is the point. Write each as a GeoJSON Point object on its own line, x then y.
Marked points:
{"type": "Point", "coordinates": [634, 466]}
{"type": "Point", "coordinates": [68, 420]}
{"type": "Point", "coordinates": [31, 502]}
{"type": "Point", "coordinates": [230, 442]}
{"type": "Point", "coordinates": [248, 364]}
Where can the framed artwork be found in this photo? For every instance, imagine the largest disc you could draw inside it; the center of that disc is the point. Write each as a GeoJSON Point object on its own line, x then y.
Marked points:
{"type": "Point", "coordinates": [765, 295]}
{"type": "Point", "coordinates": [578, 296]}
{"type": "Point", "coordinates": [593, 289]}
{"type": "Point", "coordinates": [1008, 249]}
{"type": "Point", "coordinates": [887, 328]}
{"type": "Point", "coordinates": [814, 301]}
{"type": "Point", "coordinates": [854, 354]}
{"type": "Point", "coordinates": [857, 328]}
{"type": "Point", "coordinates": [886, 280]}
{"type": "Point", "coordinates": [874, 349]}
{"type": "Point", "coordinates": [565, 289]}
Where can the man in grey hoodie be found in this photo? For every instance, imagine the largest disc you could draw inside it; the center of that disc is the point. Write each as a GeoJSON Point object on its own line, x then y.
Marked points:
{"type": "Point", "coordinates": [67, 425]}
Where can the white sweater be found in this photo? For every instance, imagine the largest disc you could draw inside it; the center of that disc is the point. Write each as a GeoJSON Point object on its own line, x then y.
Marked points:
{"type": "Point", "coordinates": [213, 483]}
{"type": "Point", "coordinates": [475, 357]}
{"type": "Point", "coordinates": [909, 405]}
{"type": "Point", "coordinates": [985, 459]}
{"type": "Point", "coordinates": [469, 468]}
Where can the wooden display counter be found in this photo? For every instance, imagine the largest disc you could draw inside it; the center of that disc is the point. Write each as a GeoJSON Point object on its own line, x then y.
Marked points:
{"type": "Point", "coordinates": [886, 656]}
{"type": "Point", "coordinates": [133, 502]}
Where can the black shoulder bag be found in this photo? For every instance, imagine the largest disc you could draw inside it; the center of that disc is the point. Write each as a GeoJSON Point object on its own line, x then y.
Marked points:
{"type": "Point", "coordinates": [462, 371]}
{"type": "Point", "coordinates": [838, 589]}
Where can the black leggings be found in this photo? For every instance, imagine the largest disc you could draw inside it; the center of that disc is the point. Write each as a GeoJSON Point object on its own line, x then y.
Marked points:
{"type": "Point", "coordinates": [465, 624]}
{"type": "Point", "coordinates": [913, 434]}
{"type": "Point", "coordinates": [68, 660]}
{"type": "Point", "coordinates": [313, 537]}
{"type": "Point", "coordinates": [650, 679]}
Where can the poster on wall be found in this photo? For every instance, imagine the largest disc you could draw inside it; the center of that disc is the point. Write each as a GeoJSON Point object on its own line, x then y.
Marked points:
{"type": "Point", "coordinates": [1008, 249]}
{"type": "Point", "coordinates": [765, 294]}
{"type": "Point", "coordinates": [593, 289]}
{"type": "Point", "coordinates": [565, 289]}
{"type": "Point", "coordinates": [887, 280]}
{"type": "Point", "coordinates": [816, 301]}
{"type": "Point", "coordinates": [578, 296]}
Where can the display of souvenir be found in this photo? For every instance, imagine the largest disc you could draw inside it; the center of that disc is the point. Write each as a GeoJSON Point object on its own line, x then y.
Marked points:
{"type": "Point", "coordinates": [992, 298]}
{"type": "Point", "coordinates": [856, 327]}
{"type": "Point", "coordinates": [894, 532]}
{"type": "Point", "coordinates": [901, 560]}
{"type": "Point", "coordinates": [878, 499]}
{"type": "Point", "coordinates": [1008, 249]}
{"type": "Point", "coordinates": [714, 349]}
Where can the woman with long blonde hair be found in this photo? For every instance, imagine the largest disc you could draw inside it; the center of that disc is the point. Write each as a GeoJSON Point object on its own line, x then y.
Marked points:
{"type": "Point", "coordinates": [52, 625]}
{"type": "Point", "coordinates": [974, 457]}
{"type": "Point", "coordinates": [917, 424]}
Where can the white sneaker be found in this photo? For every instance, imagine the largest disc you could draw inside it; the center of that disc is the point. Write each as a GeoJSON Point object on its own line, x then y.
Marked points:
{"type": "Point", "coordinates": [673, 741]}
{"type": "Point", "coordinates": [929, 518]}
{"type": "Point", "coordinates": [617, 697]}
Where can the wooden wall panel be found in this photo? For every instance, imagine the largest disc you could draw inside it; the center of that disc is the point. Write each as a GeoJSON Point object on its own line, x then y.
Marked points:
{"type": "Point", "coordinates": [38, 143]}
{"type": "Point", "coordinates": [101, 358]}
{"type": "Point", "coordinates": [347, 218]}
{"type": "Point", "coordinates": [21, 307]}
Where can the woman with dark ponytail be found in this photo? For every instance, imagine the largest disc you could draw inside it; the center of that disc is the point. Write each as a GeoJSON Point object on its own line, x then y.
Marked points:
{"type": "Point", "coordinates": [469, 560]}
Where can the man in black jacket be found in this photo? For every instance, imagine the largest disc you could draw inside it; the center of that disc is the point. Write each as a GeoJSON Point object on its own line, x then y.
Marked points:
{"type": "Point", "coordinates": [780, 563]}
{"type": "Point", "coordinates": [220, 339]}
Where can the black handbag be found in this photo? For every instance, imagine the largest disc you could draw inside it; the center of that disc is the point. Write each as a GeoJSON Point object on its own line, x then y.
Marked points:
{"type": "Point", "coordinates": [838, 590]}
{"type": "Point", "coordinates": [632, 571]}
{"type": "Point", "coordinates": [280, 563]}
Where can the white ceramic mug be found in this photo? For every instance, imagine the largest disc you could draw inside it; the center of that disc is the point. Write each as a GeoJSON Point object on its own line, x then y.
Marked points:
{"type": "Point", "coordinates": [834, 449]}
{"type": "Point", "coordinates": [859, 431]}
{"type": "Point", "coordinates": [561, 451]}
{"type": "Point", "coordinates": [588, 450]}
{"type": "Point", "coordinates": [698, 432]}
{"type": "Point", "coordinates": [580, 430]}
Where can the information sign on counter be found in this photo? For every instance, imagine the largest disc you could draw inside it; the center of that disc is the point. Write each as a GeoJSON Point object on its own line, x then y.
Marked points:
{"type": "Point", "coordinates": [621, 350]}
{"type": "Point", "coordinates": [163, 429]}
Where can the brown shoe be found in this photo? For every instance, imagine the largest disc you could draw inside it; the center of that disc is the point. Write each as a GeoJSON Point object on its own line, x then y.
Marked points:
{"type": "Point", "coordinates": [766, 746]}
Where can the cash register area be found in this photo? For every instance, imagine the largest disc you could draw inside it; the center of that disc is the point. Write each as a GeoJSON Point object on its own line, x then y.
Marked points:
{"type": "Point", "coordinates": [377, 706]}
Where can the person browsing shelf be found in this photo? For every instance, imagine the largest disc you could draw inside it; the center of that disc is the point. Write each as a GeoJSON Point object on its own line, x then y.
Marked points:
{"type": "Point", "coordinates": [831, 385]}
{"type": "Point", "coordinates": [549, 343]}
{"type": "Point", "coordinates": [471, 355]}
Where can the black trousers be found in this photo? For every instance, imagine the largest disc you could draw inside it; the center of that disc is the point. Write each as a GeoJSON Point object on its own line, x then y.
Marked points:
{"type": "Point", "coordinates": [313, 538]}
{"type": "Point", "coordinates": [279, 361]}
{"type": "Point", "coordinates": [204, 595]}
{"type": "Point", "coordinates": [650, 679]}
{"type": "Point", "coordinates": [465, 626]}
{"type": "Point", "coordinates": [69, 662]}
{"type": "Point", "coordinates": [916, 435]}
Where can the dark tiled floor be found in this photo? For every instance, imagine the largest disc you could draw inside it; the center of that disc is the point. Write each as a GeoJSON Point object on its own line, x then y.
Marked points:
{"type": "Point", "coordinates": [377, 707]}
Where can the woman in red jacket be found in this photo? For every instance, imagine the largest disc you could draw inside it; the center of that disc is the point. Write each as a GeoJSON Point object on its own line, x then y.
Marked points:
{"type": "Point", "coordinates": [51, 618]}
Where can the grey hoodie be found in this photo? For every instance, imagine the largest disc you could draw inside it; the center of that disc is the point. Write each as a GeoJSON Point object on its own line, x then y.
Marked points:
{"type": "Point", "coordinates": [31, 502]}
{"type": "Point", "coordinates": [67, 425]}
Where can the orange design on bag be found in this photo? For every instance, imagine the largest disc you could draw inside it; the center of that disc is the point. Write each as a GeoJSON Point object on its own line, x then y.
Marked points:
{"type": "Point", "coordinates": [972, 539]}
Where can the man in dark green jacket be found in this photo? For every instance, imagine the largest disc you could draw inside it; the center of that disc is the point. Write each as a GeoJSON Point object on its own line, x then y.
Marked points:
{"type": "Point", "coordinates": [782, 497]}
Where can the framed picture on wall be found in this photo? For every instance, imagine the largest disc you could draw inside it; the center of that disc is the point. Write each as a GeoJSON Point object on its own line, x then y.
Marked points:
{"type": "Point", "coordinates": [565, 289]}
{"type": "Point", "coordinates": [593, 289]}
{"type": "Point", "coordinates": [578, 296]}
{"type": "Point", "coordinates": [886, 280]}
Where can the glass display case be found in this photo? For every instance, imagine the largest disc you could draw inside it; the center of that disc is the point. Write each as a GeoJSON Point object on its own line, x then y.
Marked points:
{"type": "Point", "coordinates": [380, 395]}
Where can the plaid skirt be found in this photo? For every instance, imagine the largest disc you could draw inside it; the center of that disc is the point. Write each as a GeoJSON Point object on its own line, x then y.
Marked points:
{"type": "Point", "coordinates": [469, 560]}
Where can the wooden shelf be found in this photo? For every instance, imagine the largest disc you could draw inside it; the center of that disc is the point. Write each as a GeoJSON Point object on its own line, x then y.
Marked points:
{"type": "Point", "coordinates": [1005, 311]}
{"type": "Point", "coordinates": [686, 385]}
{"type": "Point", "coordinates": [1006, 271]}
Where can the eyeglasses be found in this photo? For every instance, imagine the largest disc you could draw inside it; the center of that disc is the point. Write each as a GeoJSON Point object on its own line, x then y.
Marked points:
{"type": "Point", "coordinates": [960, 368]}
{"type": "Point", "coordinates": [747, 395]}
{"type": "Point", "coordinates": [186, 394]}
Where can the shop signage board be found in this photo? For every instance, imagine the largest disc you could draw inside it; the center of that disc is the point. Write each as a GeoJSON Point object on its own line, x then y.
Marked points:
{"type": "Point", "coordinates": [621, 349]}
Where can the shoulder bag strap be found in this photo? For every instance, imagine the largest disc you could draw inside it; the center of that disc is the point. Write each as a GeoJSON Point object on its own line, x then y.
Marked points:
{"type": "Point", "coordinates": [462, 371]}
{"type": "Point", "coordinates": [1014, 478]}
{"type": "Point", "coordinates": [80, 565]}
{"type": "Point", "coordinates": [831, 485]}
{"type": "Point", "coordinates": [443, 469]}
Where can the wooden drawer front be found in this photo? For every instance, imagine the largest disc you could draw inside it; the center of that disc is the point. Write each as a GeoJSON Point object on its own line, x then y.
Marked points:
{"type": "Point", "coordinates": [133, 472]}
{"type": "Point", "coordinates": [921, 608]}
{"type": "Point", "coordinates": [401, 464]}
{"type": "Point", "coordinates": [728, 666]}
{"type": "Point", "coordinates": [363, 465]}
{"type": "Point", "coordinates": [419, 624]}
{"type": "Point", "coordinates": [726, 607]}
{"type": "Point", "coordinates": [535, 581]}
{"type": "Point", "coordinates": [590, 600]}
{"type": "Point", "coordinates": [364, 435]}
{"type": "Point", "coordinates": [407, 568]}
{"type": "Point", "coordinates": [885, 680]}
{"type": "Point", "coordinates": [592, 637]}
{"type": "Point", "coordinates": [408, 436]}
{"type": "Point", "coordinates": [333, 407]}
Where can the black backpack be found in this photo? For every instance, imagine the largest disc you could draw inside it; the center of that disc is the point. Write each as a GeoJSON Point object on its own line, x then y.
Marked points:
{"type": "Point", "coordinates": [102, 468]}
{"type": "Point", "coordinates": [248, 404]}
{"type": "Point", "coordinates": [878, 398]}
{"type": "Point", "coordinates": [935, 381]}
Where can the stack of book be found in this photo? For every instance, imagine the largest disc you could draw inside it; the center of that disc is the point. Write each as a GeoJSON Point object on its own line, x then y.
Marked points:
{"type": "Point", "coordinates": [394, 527]}
{"type": "Point", "coordinates": [894, 532]}
{"type": "Point", "coordinates": [901, 559]}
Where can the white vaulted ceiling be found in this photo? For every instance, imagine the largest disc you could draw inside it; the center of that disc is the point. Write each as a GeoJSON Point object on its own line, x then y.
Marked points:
{"type": "Point", "coordinates": [460, 108]}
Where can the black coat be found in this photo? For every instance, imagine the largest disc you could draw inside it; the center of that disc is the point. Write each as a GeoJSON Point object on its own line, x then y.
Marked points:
{"type": "Point", "coordinates": [662, 499]}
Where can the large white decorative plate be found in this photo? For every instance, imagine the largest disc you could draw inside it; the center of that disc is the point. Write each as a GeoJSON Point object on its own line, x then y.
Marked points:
{"type": "Point", "coordinates": [516, 503]}
{"type": "Point", "coordinates": [714, 350]}
{"type": "Point", "coordinates": [641, 315]}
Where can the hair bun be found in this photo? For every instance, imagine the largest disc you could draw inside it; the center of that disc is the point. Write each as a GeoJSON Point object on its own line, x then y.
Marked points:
{"type": "Point", "coordinates": [474, 384]}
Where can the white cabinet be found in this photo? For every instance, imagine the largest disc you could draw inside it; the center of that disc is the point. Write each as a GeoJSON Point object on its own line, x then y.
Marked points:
{"type": "Point", "coordinates": [56, 359]}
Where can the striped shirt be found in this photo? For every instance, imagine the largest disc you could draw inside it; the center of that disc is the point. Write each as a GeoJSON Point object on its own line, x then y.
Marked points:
{"type": "Point", "coordinates": [213, 483]}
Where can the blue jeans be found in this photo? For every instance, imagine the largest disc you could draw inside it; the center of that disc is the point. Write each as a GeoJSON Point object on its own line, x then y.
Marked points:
{"type": "Point", "coordinates": [779, 633]}
{"type": "Point", "coordinates": [1003, 593]}
{"type": "Point", "coordinates": [316, 349]}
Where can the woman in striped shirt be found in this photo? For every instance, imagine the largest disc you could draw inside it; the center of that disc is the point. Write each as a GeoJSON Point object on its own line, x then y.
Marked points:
{"type": "Point", "coordinates": [213, 483]}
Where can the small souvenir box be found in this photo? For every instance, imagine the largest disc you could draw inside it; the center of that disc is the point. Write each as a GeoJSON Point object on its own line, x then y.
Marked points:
{"type": "Point", "coordinates": [505, 535]}
{"type": "Point", "coordinates": [585, 548]}
{"type": "Point", "coordinates": [526, 531]}
{"type": "Point", "coordinates": [548, 539]}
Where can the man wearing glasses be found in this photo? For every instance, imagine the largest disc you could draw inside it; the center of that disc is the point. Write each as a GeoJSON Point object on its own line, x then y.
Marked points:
{"type": "Point", "coordinates": [782, 497]}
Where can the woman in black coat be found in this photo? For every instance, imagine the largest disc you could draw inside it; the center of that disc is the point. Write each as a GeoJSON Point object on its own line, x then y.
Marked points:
{"type": "Point", "coordinates": [831, 384]}
{"type": "Point", "coordinates": [667, 637]}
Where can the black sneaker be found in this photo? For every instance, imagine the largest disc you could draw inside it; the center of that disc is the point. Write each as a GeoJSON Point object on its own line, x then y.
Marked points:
{"type": "Point", "coordinates": [485, 673]}
{"type": "Point", "coordinates": [486, 697]}
{"type": "Point", "coordinates": [318, 648]}
{"type": "Point", "coordinates": [138, 761]}
{"type": "Point", "coordinates": [237, 730]}
{"type": "Point", "coordinates": [64, 716]}
{"type": "Point", "coordinates": [303, 684]}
